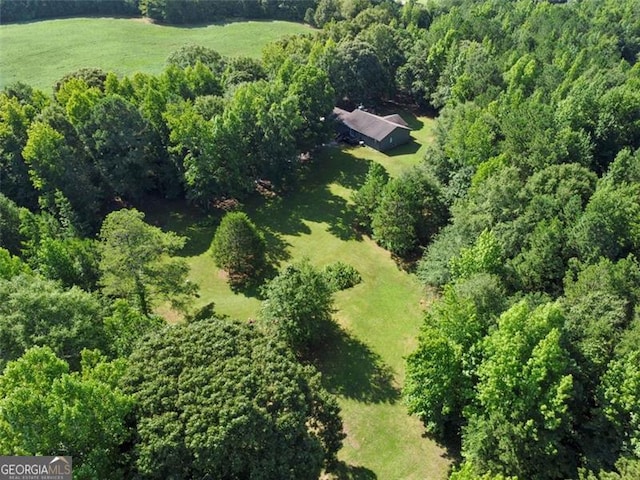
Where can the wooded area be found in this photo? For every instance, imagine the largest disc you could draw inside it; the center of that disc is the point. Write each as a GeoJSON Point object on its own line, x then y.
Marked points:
{"type": "Point", "coordinates": [524, 217]}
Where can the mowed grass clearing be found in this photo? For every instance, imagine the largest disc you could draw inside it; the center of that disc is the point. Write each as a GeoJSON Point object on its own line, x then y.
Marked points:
{"type": "Point", "coordinates": [363, 361]}
{"type": "Point", "coordinates": [40, 53]}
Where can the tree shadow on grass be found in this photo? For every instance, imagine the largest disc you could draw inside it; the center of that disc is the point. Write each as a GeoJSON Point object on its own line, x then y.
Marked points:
{"type": "Point", "coordinates": [408, 148]}
{"type": "Point", "coordinates": [451, 441]}
{"type": "Point", "coordinates": [414, 122]}
{"type": "Point", "coordinates": [185, 220]}
{"type": "Point", "coordinates": [313, 201]}
{"type": "Point", "coordinates": [343, 471]}
{"type": "Point", "coordinates": [339, 166]}
{"type": "Point", "coordinates": [288, 215]}
{"type": "Point", "coordinates": [322, 206]}
{"type": "Point", "coordinates": [351, 369]}
{"type": "Point", "coordinates": [199, 236]}
{"type": "Point", "coordinates": [277, 250]}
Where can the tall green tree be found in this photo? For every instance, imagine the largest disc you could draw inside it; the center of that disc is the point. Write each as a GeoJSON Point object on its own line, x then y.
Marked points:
{"type": "Point", "coordinates": [11, 266]}
{"type": "Point", "coordinates": [442, 371]}
{"type": "Point", "coordinates": [522, 418]}
{"type": "Point", "coordinates": [35, 311]}
{"type": "Point", "coordinates": [356, 73]}
{"type": "Point", "coordinates": [136, 262]}
{"type": "Point", "coordinates": [610, 225]}
{"type": "Point", "coordinates": [260, 125]}
{"type": "Point", "coordinates": [620, 395]}
{"type": "Point", "coordinates": [189, 55]}
{"type": "Point", "coordinates": [71, 260]}
{"type": "Point", "coordinates": [122, 145]}
{"type": "Point", "coordinates": [198, 146]}
{"type": "Point", "coordinates": [78, 97]}
{"type": "Point", "coordinates": [485, 256]}
{"type": "Point", "coordinates": [367, 197]}
{"type": "Point", "coordinates": [239, 248]}
{"type": "Point", "coordinates": [47, 410]}
{"type": "Point", "coordinates": [14, 177]}
{"type": "Point", "coordinates": [242, 70]}
{"type": "Point", "coordinates": [314, 96]}
{"type": "Point", "coordinates": [410, 212]}
{"type": "Point", "coordinates": [298, 305]}
{"type": "Point", "coordinates": [218, 398]}
{"type": "Point", "coordinates": [125, 326]}
{"type": "Point", "coordinates": [58, 170]}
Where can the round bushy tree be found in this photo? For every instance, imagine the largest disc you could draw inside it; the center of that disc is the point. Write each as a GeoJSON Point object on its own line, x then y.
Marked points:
{"type": "Point", "coordinates": [367, 198]}
{"type": "Point", "coordinates": [298, 305]}
{"type": "Point", "coordinates": [219, 399]}
{"type": "Point", "coordinates": [238, 247]}
{"type": "Point", "coordinates": [410, 211]}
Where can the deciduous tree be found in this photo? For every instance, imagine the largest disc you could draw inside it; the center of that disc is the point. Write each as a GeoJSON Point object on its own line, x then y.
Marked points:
{"type": "Point", "coordinates": [35, 311]}
{"type": "Point", "coordinates": [410, 212]}
{"type": "Point", "coordinates": [522, 419]}
{"type": "Point", "coordinates": [136, 264]}
{"type": "Point", "coordinates": [219, 398]}
{"type": "Point", "coordinates": [298, 305]}
{"type": "Point", "coordinates": [367, 197]}
{"type": "Point", "coordinates": [122, 146]}
{"type": "Point", "coordinates": [46, 410]}
{"type": "Point", "coordinates": [442, 372]}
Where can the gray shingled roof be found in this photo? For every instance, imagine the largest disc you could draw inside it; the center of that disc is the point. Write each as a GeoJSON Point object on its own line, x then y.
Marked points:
{"type": "Point", "coordinates": [369, 124]}
{"type": "Point", "coordinates": [395, 118]}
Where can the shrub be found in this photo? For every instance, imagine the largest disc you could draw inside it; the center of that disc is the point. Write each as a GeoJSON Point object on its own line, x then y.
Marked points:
{"type": "Point", "coordinates": [340, 276]}
{"type": "Point", "coordinates": [239, 248]}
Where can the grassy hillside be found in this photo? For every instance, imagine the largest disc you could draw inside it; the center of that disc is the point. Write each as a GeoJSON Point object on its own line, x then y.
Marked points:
{"type": "Point", "coordinates": [363, 361]}
{"type": "Point", "coordinates": [40, 53]}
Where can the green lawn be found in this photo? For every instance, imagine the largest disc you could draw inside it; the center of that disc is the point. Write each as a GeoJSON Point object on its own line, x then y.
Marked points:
{"type": "Point", "coordinates": [40, 53]}
{"type": "Point", "coordinates": [363, 361]}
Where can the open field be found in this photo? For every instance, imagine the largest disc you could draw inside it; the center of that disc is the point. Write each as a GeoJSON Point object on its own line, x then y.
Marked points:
{"type": "Point", "coordinates": [40, 53]}
{"type": "Point", "coordinates": [363, 360]}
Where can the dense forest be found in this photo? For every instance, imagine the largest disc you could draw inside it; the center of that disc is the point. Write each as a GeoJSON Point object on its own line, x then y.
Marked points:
{"type": "Point", "coordinates": [524, 218]}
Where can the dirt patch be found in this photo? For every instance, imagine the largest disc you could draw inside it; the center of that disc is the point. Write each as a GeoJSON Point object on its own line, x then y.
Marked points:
{"type": "Point", "coordinates": [147, 20]}
{"type": "Point", "coordinates": [169, 314]}
{"type": "Point", "coordinates": [350, 438]}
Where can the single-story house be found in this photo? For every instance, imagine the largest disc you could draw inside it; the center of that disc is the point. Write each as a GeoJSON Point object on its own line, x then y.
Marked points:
{"type": "Point", "coordinates": [381, 133]}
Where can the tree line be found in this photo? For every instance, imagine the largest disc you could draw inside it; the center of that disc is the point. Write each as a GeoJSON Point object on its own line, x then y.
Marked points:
{"type": "Point", "coordinates": [207, 128]}
{"type": "Point", "coordinates": [163, 11]}
{"type": "Point", "coordinates": [28, 10]}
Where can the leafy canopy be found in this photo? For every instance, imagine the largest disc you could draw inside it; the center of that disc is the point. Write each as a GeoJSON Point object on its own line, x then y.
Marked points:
{"type": "Point", "coordinates": [298, 305]}
{"type": "Point", "coordinates": [238, 247]}
{"type": "Point", "coordinates": [136, 264]}
{"type": "Point", "coordinates": [46, 410]}
{"type": "Point", "coordinates": [219, 398]}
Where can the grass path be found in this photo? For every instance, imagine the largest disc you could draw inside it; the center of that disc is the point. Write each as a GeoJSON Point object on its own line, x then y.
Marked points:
{"type": "Point", "coordinates": [363, 361]}
{"type": "Point", "coordinates": [40, 53]}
